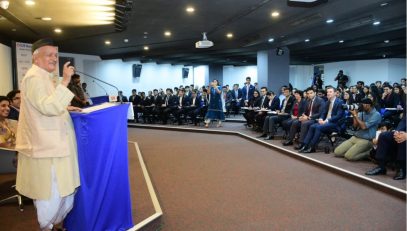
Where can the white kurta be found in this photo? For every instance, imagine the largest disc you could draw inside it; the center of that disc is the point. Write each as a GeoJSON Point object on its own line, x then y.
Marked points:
{"type": "Point", "coordinates": [45, 137]}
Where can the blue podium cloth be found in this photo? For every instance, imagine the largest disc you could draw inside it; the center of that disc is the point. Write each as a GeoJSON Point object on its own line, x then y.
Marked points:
{"type": "Point", "coordinates": [102, 202]}
{"type": "Point", "coordinates": [100, 99]}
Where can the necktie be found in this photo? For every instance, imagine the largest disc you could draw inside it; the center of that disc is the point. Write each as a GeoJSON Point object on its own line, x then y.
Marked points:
{"type": "Point", "coordinates": [166, 100]}
{"type": "Point", "coordinates": [262, 101]}
{"type": "Point", "coordinates": [285, 103]}
{"type": "Point", "coordinates": [331, 103]}
{"type": "Point", "coordinates": [310, 110]}
{"type": "Point", "coordinates": [247, 92]}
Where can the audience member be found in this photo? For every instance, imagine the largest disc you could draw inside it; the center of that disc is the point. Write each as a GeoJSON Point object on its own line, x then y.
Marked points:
{"type": "Point", "coordinates": [365, 119]}
{"type": "Point", "coordinates": [8, 127]}
{"type": "Point", "coordinates": [328, 122]}
{"type": "Point", "coordinates": [253, 104]}
{"type": "Point", "coordinates": [15, 99]}
{"type": "Point", "coordinates": [236, 98]}
{"type": "Point", "coordinates": [75, 87]}
{"type": "Point", "coordinates": [247, 92]}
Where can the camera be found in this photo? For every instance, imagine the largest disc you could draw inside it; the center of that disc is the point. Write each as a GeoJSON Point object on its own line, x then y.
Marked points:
{"type": "Point", "coordinates": [354, 106]}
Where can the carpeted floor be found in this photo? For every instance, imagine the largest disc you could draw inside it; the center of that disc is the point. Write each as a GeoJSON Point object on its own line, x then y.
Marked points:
{"type": "Point", "coordinates": [223, 182]}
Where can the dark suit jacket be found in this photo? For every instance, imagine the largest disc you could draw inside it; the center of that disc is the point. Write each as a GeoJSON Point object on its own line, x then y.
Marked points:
{"type": "Point", "coordinates": [124, 99]}
{"type": "Point", "coordinates": [255, 102]}
{"type": "Point", "coordinates": [136, 100]}
{"type": "Point", "coordinates": [337, 111]}
{"type": "Point", "coordinates": [244, 92]}
{"type": "Point", "coordinates": [355, 98]}
{"type": "Point", "coordinates": [265, 102]}
{"type": "Point", "coordinates": [196, 104]}
{"type": "Point", "coordinates": [157, 100]}
{"type": "Point", "coordinates": [184, 102]}
{"type": "Point", "coordinates": [289, 105]}
{"type": "Point", "coordinates": [391, 101]}
{"type": "Point", "coordinates": [317, 108]}
{"type": "Point", "coordinates": [13, 114]}
{"type": "Point", "coordinates": [275, 104]}
{"type": "Point", "coordinates": [239, 94]}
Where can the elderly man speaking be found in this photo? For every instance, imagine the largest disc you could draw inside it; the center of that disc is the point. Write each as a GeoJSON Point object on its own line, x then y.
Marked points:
{"type": "Point", "coordinates": [47, 168]}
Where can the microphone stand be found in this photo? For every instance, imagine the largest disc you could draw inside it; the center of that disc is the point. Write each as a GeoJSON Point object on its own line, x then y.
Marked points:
{"type": "Point", "coordinates": [121, 98]}
{"type": "Point", "coordinates": [100, 86]}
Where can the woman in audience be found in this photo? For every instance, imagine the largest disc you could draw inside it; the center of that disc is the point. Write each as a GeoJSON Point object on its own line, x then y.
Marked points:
{"type": "Point", "coordinates": [376, 104]}
{"type": "Point", "coordinates": [346, 97]}
{"type": "Point", "coordinates": [215, 109]}
{"type": "Point", "coordinates": [252, 104]}
{"type": "Point", "coordinates": [366, 91]}
{"type": "Point", "coordinates": [7, 126]}
{"type": "Point", "coordinates": [399, 91]}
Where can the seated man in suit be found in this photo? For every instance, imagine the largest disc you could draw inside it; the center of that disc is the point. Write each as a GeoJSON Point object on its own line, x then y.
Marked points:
{"type": "Point", "coordinates": [328, 122]}
{"type": "Point", "coordinates": [236, 98]}
{"type": "Point", "coordinates": [181, 107]}
{"type": "Point", "coordinates": [156, 104]}
{"type": "Point", "coordinates": [314, 109]}
{"type": "Point", "coordinates": [170, 103]}
{"type": "Point", "coordinates": [136, 100]}
{"type": "Point", "coordinates": [194, 108]}
{"type": "Point", "coordinates": [147, 108]}
{"type": "Point", "coordinates": [392, 146]}
{"type": "Point", "coordinates": [366, 119]}
{"type": "Point", "coordinates": [283, 114]}
{"type": "Point", "coordinates": [15, 100]}
{"type": "Point", "coordinates": [121, 97]}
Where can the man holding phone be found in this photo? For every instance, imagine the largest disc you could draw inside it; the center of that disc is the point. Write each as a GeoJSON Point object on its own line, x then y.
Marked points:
{"type": "Point", "coordinates": [47, 168]}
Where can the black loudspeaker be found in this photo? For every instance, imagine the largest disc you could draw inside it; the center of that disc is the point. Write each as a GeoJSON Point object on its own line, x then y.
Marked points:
{"type": "Point", "coordinates": [62, 61]}
{"type": "Point", "coordinates": [137, 70]}
{"type": "Point", "coordinates": [185, 72]}
{"type": "Point", "coordinates": [279, 52]}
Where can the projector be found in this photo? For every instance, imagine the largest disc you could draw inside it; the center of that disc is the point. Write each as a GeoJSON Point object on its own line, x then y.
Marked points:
{"type": "Point", "coordinates": [204, 43]}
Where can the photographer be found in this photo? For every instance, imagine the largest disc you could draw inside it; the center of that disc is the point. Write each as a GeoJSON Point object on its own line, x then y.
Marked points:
{"type": "Point", "coordinates": [366, 121]}
{"type": "Point", "coordinates": [342, 80]}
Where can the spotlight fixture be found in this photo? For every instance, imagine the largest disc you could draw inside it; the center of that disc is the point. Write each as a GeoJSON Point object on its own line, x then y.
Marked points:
{"type": "Point", "coordinates": [190, 9]}
{"type": "Point", "coordinates": [46, 18]}
{"type": "Point", "coordinates": [270, 40]}
{"type": "Point", "coordinates": [376, 23]}
{"type": "Point", "coordinates": [386, 41]}
{"type": "Point", "coordinates": [329, 21]}
{"type": "Point", "coordinates": [122, 13]}
{"type": "Point", "coordinates": [126, 40]}
{"type": "Point", "coordinates": [341, 41]}
{"type": "Point", "coordinates": [146, 48]}
{"type": "Point", "coordinates": [107, 42]}
{"type": "Point", "coordinates": [229, 35]}
{"type": "Point", "coordinates": [167, 33]}
{"type": "Point", "coordinates": [4, 4]}
{"type": "Point", "coordinates": [30, 2]}
{"type": "Point", "coordinates": [307, 40]}
{"type": "Point", "coordinates": [275, 14]}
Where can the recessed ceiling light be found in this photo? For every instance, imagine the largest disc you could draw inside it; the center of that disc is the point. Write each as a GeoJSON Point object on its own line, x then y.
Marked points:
{"type": "Point", "coordinates": [341, 41]}
{"type": "Point", "coordinates": [167, 33]}
{"type": "Point", "coordinates": [126, 40]}
{"type": "Point", "coordinates": [229, 35]}
{"type": "Point", "coordinates": [384, 55]}
{"type": "Point", "coordinates": [307, 40]}
{"type": "Point", "coordinates": [30, 3]}
{"type": "Point", "coordinates": [190, 9]}
{"type": "Point", "coordinates": [384, 4]}
{"type": "Point", "coordinates": [14, 29]}
{"type": "Point", "coordinates": [146, 48]}
{"type": "Point", "coordinates": [107, 42]}
{"type": "Point", "coordinates": [386, 41]}
{"type": "Point", "coordinates": [46, 18]}
{"type": "Point", "coordinates": [58, 30]}
{"type": "Point", "coordinates": [376, 23]}
{"type": "Point", "coordinates": [270, 40]}
{"type": "Point", "coordinates": [275, 14]}
{"type": "Point", "coordinates": [329, 21]}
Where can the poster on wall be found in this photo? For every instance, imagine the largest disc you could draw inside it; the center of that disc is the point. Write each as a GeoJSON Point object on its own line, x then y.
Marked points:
{"type": "Point", "coordinates": [24, 60]}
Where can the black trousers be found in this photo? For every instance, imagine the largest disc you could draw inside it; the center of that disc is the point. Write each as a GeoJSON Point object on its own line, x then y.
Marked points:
{"type": "Point", "coordinates": [302, 127]}
{"type": "Point", "coordinates": [389, 150]}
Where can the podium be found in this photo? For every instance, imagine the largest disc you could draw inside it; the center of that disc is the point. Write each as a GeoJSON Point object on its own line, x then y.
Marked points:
{"type": "Point", "coordinates": [102, 202]}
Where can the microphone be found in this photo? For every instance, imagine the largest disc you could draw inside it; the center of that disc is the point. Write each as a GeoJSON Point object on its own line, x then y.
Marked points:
{"type": "Point", "coordinates": [93, 77]}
